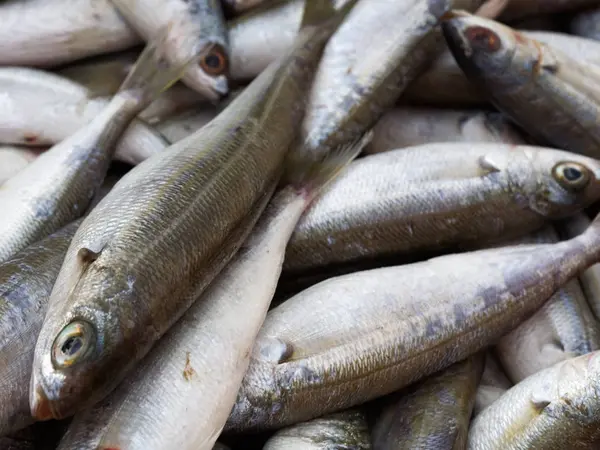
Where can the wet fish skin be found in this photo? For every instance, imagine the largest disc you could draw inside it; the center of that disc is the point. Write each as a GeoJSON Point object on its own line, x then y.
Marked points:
{"type": "Point", "coordinates": [13, 159]}
{"type": "Point", "coordinates": [357, 337]}
{"type": "Point", "coordinates": [433, 414]}
{"type": "Point", "coordinates": [553, 409]}
{"type": "Point", "coordinates": [409, 126]}
{"type": "Point", "coordinates": [526, 79]}
{"type": "Point", "coordinates": [344, 430]}
{"type": "Point", "coordinates": [586, 24]}
{"type": "Point", "coordinates": [156, 256]}
{"type": "Point", "coordinates": [183, 125]}
{"type": "Point", "coordinates": [44, 33]}
{"type": "Point", "coordinates": [61, 109]}
{"type": "Point", "coordinates": [450, 197]}
{"type": "Point", "coordinates": [494, 383]}
{"type": "Point", "coordinates": [202, 27]}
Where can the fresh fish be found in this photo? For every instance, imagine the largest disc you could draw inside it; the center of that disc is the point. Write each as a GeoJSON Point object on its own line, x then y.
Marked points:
{"type": "Point", "coordinates": [39, 108]}
{"type": "Point", "coordinates": [173, 223]}
{"type": "Point", "coordinates": [13, 159]}
{"type": "Point", "coordinates": [406, 127]}
{"type": "Point", "coordinates": [527, 80]}
{"type": "Point", "coordinates": [493, 384]}
{"type": "Point", "coordinates": [586, 24]}
{"type": "Point", "coordinates": [445, 83]}
{"type": "Point", "coordinates": [357, 337]}
{"type": "Point", "coordinates": [452, 195]}
{"type": "Point", "coordinates": [344, 430]}
{"type": "Point", "coordinates": [589, 279]}
{"type": "Point", "coordinates": [524, 8]}
{"type": "Point", "coordinates": [198, 28]}
{"type": "Point", "coordinates": [562, 329]}
{"type": "Point", "coordinates": [240, 6]}
{"type": "Point", "coordinates": [183, 125]}
{"type": "Point", "coordinates": [556, 408]}
{"type": "Point", "coordinates": [198, 366]}
{"type": "Point", "coordinates": [46, 33]}
{"type": "Point", "coordinates": [58, 186]}
{"type": "Point", "coordinates": [433, 414]}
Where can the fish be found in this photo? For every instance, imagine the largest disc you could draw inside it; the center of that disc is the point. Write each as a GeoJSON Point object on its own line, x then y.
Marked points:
{"type": "Point", "coordinates": [198, 366]}
{"type": "Point", "coordinates": [410, 126]}
{"type": "Point", "coordinates": [61, 108]}
{"type": "Point", "coordinates": [45, 33]}
{"type": "Point", "coordinates": [123, 286]}
{"type": "Point", "coordinates": [236, 7]}
{"type": "Point", "coordinates": [556, 408]}
{"type": "Point", "coordinates": [446, 84]}
{"type": "Point", "coordinates": [525, 8]}
{"type": "Point", "coordinates": [13, 159]}
{"type": "Point", "coordinates": [493, 384]}
{"type": "Point", "coordinates": [433, 414]}
{"type": "Point", "coordinates": [8, 443]}
{"type": "Point", "coordinates": [586, 24]}
{"type": "Point", "coordinates": [344, 430]}
{"type": "Point", "coordinates": [180, 126]}
{"type": "Point", "coordinates": [58, 186]}
{"type": "Point", "coordinates": [198, 28]}
{"type": "Point", "coordinates": [453, 195]}
{"type": "Point", "coordinates": [354, 338]}
{"type": "Point", "coordinates": [527, 79]}
{"type": "Point", "coordinates": [562, 329]}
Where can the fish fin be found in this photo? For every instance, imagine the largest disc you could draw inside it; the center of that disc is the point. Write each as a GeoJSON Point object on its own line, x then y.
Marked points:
{"type": "Point", "coordinates": [316, 12]}
{"type": "Point", "coordinates": [275, 350]}
{"type": "Point", "coordinates": [311, 176]}
{"type": "Point", "coordinates": [88, 255]}
{"type": "Point", "coordinates": [153, 72]}
{"type": "Point", "coordinates": [487, 164]}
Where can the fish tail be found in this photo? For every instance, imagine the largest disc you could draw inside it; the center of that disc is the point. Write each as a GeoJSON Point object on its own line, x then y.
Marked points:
{"type": "Point", "coordinates": [591, 240]}
{"type": "Point", "coordinates": [318, 12]}
{"type": "Point", "coordinates": [154, 72]}
{"type": "Point", "coordinates": [310, 176]}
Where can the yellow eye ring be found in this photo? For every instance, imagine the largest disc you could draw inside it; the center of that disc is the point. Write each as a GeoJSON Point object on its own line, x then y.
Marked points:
{"type": "Point", "coordinates": [571, 175]}
{"type": "Point", "coordinates": [73, 344]}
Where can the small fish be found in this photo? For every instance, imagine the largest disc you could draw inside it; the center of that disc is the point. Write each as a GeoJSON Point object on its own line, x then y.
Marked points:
{"type": "Point", "coordinates": [344, 430]}
{"type": "Point", "coordinates": [406, 127]}
{"type": "Point", "coordinates": [493, 384]}
{"type": "Point", "coordinates": [13, 159]}
{"type": "Point", "coordinates": [433, 414]}
{"type": "Point", "coordinates": [562, 329]}
{"type": "Point", "coordinates": [525, 8]}
{"type": "Point", "coordinates": [357, 337]}
{"type": "Point", "coordinates": [58, 186]}
{"type": "Point", "coordinates": [183, 125]}
{"type": "Point", "coordinates": [586, 24]}
{"type": "Point", "coordinates": [528, 80]}
{"type": "Point", "coordinates": [557, 408]}
{"type": "Point", "coordinates": [452, 195]}
{"type": "Point", "coordinates": [46, 33]}
{"type": "Point", "coordinates": [198, 29]}
{"type": "Point", "coordinates": [61, 108]}
{"type": "Point", "coordinates": [175, 221]}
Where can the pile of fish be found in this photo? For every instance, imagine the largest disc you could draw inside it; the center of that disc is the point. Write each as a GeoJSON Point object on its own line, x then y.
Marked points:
{"type": "Point", "coordinates": [299, 224]}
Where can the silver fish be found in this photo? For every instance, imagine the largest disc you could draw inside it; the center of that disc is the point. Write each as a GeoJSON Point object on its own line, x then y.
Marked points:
{"type": "Point", "coordinates": [13, 159]}
{"type": "Point", "coordinates": [493, 384]}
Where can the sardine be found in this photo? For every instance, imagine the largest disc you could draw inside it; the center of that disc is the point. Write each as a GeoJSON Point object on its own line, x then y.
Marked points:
{"type": "Point", "coordinates": [38, 108]}
{"type": "Point", "coordinates": [198, 28]}
{"type": "Point", "coordinates": [405, 127]}
{"type": "Point", "coordinates": [433, 414]}
{"type": "Point", "coordinates": [493, 384]}
{"type": "Point", "coordinates": [13, 159]}
{"type": "Point", "coordinates": [344, 430]}
{"type": "Point", "coordinates": [451, 195]}
{"type": "Point", "coordinates": [58, 186]}
{"type": "Point", "coordinates": [164, 232]}
{"type": "Point", "coordinates": [586, 24]}
{"type": "Point", "coordinates": [46, 33]}
{"type": "Point", "coordinates": [554, 409]}
{"type": "Point", "coordinates": [357, 337]}
{"type": "Point", "coordinates": [562, 329]}
{"type": "Point", "coordinates": [183, 125]}
{"type": "Point", "coordinates": [528, 80]}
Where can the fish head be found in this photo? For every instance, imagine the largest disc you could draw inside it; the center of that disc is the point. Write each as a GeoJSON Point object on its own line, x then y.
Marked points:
{"type": "Point", "coordinates": [82, 349]}
{"type": "Point", "coordinates": [210, 75]}
{"type": "Point", "coordinates": [557, 183]}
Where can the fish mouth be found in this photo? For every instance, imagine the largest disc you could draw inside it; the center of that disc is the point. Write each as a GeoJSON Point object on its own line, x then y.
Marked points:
{"type": "Point", "coordinates": [41, 407]}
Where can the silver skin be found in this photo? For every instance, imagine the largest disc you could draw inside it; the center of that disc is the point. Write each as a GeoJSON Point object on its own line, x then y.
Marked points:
{"type": "Point", "coordinates": [46, 33]}
{"type": "Point", "coordinates": [40, 108]}
{"type": "Point", "coordinates": [586, 24]}
{"type": "Point", "coordinates": [493, 384]}
{"type": "Point", "coordinates": [554, 409]}
{"type": "Point", "coordinates": [357, 337]}
{"type": "Point", "coordinates": [528, 80]}
{"type": "Point", "coordinates": [13, 159]}
{"type": "Point", "coordinates": [179, 127]}
{"type": "Point", "coordinates": [562, 329]}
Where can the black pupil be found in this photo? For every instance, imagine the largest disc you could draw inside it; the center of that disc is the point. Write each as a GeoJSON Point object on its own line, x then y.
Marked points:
{"type": "Point", "coordinates": [212, 61]}
{"type": "Point", "coordinates": [72, 346]}
{"type": "Point", "coordinates": [572, 174]}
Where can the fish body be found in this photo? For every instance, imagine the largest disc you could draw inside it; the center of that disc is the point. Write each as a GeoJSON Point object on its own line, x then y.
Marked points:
{"type": "Point", "coordinates": [527, 79]}
{"type": "Point", "coordinates": [183, 125]}
{"type": "Point", "coordinates": [354, 338]}
{"type": "Point", "coordinates": [44, 33]}
{"type": "Point", "coordinates": [13, 159]}
{"type": "Point", "coordinates": [493, 384]}
{"type": "Point", "coordinates": [586, 24]}
{"type": "Point", "coordinates": [453, 194]}
{"type": "Point", "coordinates": [151, 256]}
{"type": "Point", "coordinates": [433, 414]}
{"type": "Point", "coordinates": [240, 6]}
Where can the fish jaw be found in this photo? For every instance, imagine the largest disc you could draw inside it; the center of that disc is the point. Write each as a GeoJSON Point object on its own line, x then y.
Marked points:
{"type": "Point", "coordinates": [213, 88]}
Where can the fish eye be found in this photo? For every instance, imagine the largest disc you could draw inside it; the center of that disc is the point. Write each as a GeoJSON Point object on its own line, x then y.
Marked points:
{"type": "Point", "coordinates": [571, 175]}
{"type": "Point", "coordinates": [73, 344]}
{"type": "Point", "coordinates": [483, 38]}
{"type": "Point", "coordinates": [215, 62]}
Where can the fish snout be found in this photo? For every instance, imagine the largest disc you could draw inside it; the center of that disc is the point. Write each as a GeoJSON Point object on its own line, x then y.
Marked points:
{"type": "Point", "coordinates": [41, 407]}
